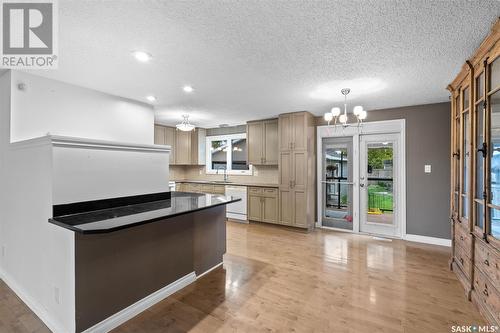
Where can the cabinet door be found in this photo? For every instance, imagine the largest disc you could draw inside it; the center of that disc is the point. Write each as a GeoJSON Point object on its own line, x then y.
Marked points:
{"type": "Point", "coordinates": [299, 131]}
{"type": "Point", "coordinates": [299, 208]}
{"type": "Point", "coordinates": [270, 142]}
{"type": "Point", "coordinates": [299, 169]}
{"type": "Point", "coordinates": [170, 140]}
{"type": "Point", "coordinates": [183, 145]}
{"type": "Point", "coordinates": [255, 142]}
{"type": "Point", "coordinates": [286, 209]}
{"type": "Point", "coordinates": [254, 207]}
{"type": "Point", "coordinates": [270, 209]}
{"type": "Point", "coordinates": [285, 132]}
{"type": "Point", "coordinates": [159, 135]}
{"type": "Point", "coordinates": [285, 169]}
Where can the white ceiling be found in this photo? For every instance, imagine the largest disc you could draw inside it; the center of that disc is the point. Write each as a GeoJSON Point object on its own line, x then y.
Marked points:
{"type": "Point", "coordinates": [256, 59]}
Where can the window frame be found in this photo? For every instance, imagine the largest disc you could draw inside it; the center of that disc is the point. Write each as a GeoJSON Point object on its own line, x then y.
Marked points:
{"type": "Point", "coordinates": [229, 155]}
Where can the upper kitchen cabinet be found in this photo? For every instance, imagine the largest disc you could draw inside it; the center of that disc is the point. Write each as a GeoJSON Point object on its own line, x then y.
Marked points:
{"type": "Point", "coordinates": [166, 136]}
{"type": "Point", "coordinates": [188, 148]}
{"type": "Point", "coordinates": [262, 140]}
{"type": "Point", "coordinates": [292, 135]}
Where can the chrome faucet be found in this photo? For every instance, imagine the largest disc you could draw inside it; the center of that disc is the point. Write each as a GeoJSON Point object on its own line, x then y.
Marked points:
{"type": "Point", "coordinates": [226, 176]}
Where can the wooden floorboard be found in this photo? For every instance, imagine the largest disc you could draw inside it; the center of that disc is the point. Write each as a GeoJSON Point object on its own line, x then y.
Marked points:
{"type": "Point", "coordinates": [281, 280]}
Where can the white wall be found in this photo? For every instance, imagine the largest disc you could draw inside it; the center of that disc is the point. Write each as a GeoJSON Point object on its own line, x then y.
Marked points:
{"type": "Point", "coordinates": [63, 109]}
{"type": "Point", "coordinates": [37, 260]}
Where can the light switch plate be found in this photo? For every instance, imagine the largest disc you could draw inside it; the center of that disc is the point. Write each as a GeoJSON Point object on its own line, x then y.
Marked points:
{"type": "Point", "coordinates": [427, 168]}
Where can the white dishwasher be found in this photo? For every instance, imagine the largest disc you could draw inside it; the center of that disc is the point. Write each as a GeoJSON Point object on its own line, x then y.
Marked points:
{"type": "Point", "coordinates": [238, 210]}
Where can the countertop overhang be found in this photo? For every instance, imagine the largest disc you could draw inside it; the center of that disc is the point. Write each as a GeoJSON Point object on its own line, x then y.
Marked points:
{"type": "Point", "coordinates": [131, 214]}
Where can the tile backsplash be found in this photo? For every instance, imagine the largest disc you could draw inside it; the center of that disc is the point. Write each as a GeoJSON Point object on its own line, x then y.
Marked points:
{"type": "Point", "coordinates": [262, 174]}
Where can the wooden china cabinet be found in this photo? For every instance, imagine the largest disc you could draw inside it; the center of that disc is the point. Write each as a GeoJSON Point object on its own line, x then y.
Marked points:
{"type": "Point", "coordinates": [475, 176]}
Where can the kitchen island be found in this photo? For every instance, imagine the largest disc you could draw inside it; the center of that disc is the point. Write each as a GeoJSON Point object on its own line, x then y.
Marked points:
{"type": "Point", "coordinates": [132, 252]}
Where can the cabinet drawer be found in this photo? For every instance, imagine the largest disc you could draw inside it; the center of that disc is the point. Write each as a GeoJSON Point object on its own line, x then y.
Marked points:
{"type": "Point", "coordinates": [487, 259]}
{"type": "Point", "coordinates": [462, 237]}
{"type": "Point", "coordinates": [207, 188]}
{"type": "Point", "coordinates": [462, 258]}
{"type": "Point", "coordinates": [219, 189]}
{"type": "Point", "coordinates": [255, 190]}
{"type": "Point", "coordinates": [270, 192]}
{"type": "Point", "coordinates": [488, 295]}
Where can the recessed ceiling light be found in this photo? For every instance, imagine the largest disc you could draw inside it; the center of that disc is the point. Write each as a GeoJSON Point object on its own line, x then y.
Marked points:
{"type": "Point", "coordinates": [142, 56]}
{"type": "Point", "coordinates": [151, 98]}
{"type": "Point", "coordinates": [188, 89]}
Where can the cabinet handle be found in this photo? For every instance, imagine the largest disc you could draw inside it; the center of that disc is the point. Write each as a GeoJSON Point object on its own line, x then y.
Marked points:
{"type": "Point", "coordinates": [486, 262]}
{"type": "Point", "coordinates": [461, 237]}
{"type": "Point", "coordinates": [462, 261]}
{"type": "Point", "coordinates": [485, 292]}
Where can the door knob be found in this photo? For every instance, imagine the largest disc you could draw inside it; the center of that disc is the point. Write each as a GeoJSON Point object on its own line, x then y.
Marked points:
{"type": "Point", "coordinates": [362, 185]}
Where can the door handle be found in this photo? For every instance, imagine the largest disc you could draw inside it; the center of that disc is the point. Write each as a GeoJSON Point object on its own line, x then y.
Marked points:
{"type": "Point", "coordinates": [361, 185]}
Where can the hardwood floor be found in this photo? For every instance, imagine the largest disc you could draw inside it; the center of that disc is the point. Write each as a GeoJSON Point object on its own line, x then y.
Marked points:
{"type": "Point", "coordinates": [277, 279]}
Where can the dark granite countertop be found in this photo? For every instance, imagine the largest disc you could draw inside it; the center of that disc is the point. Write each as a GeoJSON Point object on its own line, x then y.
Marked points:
{"type": "Point", "coordinates": [134, 214]}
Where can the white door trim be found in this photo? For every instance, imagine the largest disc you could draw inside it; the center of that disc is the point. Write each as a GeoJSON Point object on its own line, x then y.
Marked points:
{"type": "Point", "coordinates": [397, 126]}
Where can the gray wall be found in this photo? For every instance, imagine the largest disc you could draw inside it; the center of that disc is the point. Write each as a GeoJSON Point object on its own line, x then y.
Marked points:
{"type": "Point", "coordinates": [427, 142]}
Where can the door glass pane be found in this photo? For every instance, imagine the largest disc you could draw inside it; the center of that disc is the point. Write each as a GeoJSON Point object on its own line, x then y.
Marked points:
{"type": "Point", "coordinates": [495, 74]}
{"type": "Point", "coordinates": [479, 215]}
{"type": "Point", "coordinates": [479, 155]}
{"type": "Point", "coordinates": [239, 154]}
{"type": "Point", "coordinates": [337, 189]}
{"type": "Point", "coordinates": [480, 86]}
{"type": "Point", "coordinates": [219, 154]}
{"type": "Point", "coordinates": [465, 165]}
{"type": "Point", "coordinates": [380, 187]}
{"type": "Point", "coordinates": [495, 222]}
{"type": "Point", "coordinates": [466, 98]}
{"type": "Point", "coordinates": [495, 162]}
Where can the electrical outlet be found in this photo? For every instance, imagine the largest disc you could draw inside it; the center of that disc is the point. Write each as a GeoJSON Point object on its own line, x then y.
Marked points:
{"type": "Point", "coordinates": [57, 295]}
{"type": "Point", "coordinates": [201, 171]}
{"type": "Point", "coordinates": [427, 168]}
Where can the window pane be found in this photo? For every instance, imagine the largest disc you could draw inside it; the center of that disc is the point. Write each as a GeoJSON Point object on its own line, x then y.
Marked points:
{"type": "Point", "coordinates": [219, 154]}
{"type": "Point", "coordinates": [479, 86]}
{"type": "Point", "coordinates": [465, 165]}
{"type": "Point", "coordinates": [465, 98]}
{"type": "Point", "coordinates": [239, 159]}
{"type": "Point", "coordinates": [495, 222]}
{"type": "Point", "coordinates": [479, 215]}
{"type": "Point", "coordinates": [495, 74]}
{"type": "Point", "coordinates": [495, 148]}
{"type": "Point", "coordinates": [479, 155]}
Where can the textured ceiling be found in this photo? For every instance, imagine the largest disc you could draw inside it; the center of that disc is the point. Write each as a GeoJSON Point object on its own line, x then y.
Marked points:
{"type": "Point", "coordinates": [256, 59]}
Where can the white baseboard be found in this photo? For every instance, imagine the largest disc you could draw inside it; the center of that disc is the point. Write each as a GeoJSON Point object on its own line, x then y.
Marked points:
{"type": "Point", "coordinates": [209, 270]}
{"type": "Point", "coordinates": [428, 240]}
{"type": "Point", "coordinates": [133, 310]}
{"type": "Point", "coordinates": [34, 306]}
{"type": "Point", "coordinates": [238, 217]}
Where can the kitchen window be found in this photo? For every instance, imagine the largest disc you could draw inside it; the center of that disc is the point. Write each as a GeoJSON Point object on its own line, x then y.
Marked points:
{"type": "Point", "coordinates": [228, 152]}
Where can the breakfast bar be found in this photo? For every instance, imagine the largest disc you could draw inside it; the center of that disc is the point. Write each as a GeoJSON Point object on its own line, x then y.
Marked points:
{"type": "Point", "coordinates": [134, 251]}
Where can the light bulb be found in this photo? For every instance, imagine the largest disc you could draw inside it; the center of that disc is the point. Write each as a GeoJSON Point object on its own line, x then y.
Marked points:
{"type": "Point", "coordinates": [343, 118]}
{"type": "Point", "coordinates": [362, 115]}
{"type": "Point", "coordinates": [335, 111]}
{"type": "Point", "coordinates": [328, 116]}
{"type": "Point", "coordinates": [357, 110]}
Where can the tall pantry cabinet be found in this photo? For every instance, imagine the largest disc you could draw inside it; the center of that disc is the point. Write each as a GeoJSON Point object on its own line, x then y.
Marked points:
{"type": "Point", "coordinates": [475, 177]}
{"type": "Point", "coordinates": [296, 163]}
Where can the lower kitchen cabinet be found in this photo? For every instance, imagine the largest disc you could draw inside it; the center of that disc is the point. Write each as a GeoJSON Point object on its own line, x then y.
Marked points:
{"type": "Point", "coordinates": [263, 204]}
{"type": "Point", "coordinates": [200, 188]}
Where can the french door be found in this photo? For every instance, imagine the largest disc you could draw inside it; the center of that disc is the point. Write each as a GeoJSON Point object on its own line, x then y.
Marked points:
{"type": "Point", "coordinates": [361, 178]}
{"type": "Point", "coordinates": [378, 184]}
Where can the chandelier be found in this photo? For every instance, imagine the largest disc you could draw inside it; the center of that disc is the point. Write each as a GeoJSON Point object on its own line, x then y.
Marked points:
{"type": "Point", "coordinates": [336, 115]}
{"type": "Point", "coordinates": [185, 126]}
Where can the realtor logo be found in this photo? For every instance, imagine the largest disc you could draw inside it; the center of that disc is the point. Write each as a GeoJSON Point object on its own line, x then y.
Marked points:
{"type": "Point", "coordinates": [29, 34]}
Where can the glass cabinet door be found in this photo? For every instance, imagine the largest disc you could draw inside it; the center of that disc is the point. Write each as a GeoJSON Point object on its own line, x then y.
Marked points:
{"type": "Point", "coordinates": [493, 106]}
{"type": "Point", "coordinates": [456, 158]}
{"type": "Point", "coordinates": [465, 156]}
{"type": "Point", "coordinates": [480, 155]}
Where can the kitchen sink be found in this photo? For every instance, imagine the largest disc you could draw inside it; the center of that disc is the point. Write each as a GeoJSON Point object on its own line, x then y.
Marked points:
{"type": "Point", "coordinates": [221, 181]}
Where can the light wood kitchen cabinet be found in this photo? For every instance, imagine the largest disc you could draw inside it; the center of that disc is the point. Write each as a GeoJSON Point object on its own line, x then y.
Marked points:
{"type": "Point", "coordinates": [200, 188]}
{"type": "Point", "coordinates": [165, 135]}
{"type": "Point", "coordinates": [263, 204]}
{"type": "Point", "coordinates": [296, 169]}
{"type": "Point", "coordinates": [262, 142]}
{"type": "Point", "coordinates": [190, 147]}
